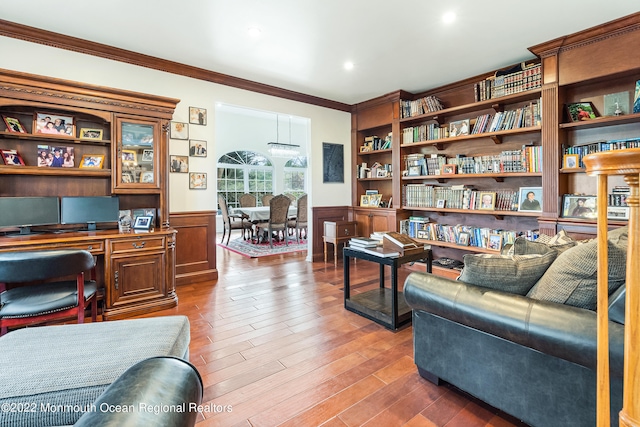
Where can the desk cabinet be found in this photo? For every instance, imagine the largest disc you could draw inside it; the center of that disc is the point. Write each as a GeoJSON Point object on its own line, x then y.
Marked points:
{"type": "Point", "coordinates": [377, 219]}
{"type": "Point", "coordinates": [337, 232]}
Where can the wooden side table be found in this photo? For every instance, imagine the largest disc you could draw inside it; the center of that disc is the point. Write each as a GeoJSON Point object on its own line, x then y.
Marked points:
{"type": "Point", "coordinates": [337, 232]}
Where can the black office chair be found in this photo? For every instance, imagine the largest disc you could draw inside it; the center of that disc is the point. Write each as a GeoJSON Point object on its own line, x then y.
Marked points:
{"type": "Point", "coordinates": [42, 302]}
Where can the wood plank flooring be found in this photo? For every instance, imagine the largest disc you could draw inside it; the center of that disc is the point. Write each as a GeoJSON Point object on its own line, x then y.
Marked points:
{"type": "Point", "coordinates": [275, 347]}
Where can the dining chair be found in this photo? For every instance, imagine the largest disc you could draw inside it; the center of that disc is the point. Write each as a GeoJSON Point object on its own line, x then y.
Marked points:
{"type": "Point", "coordinates": [299, 223]}
{"type": "Point", "coordinates": [278, 219]}
{"type": "Point", "coordinates": [232, 222]}
{"type": "Point", "coordinates": [266, 199]}
{"type": "Point", "coordinates": [248, 201]}
{"type": "Point", "coordinates": [29, 301]}
{"type": "Point", "coordinates": [291, 197]}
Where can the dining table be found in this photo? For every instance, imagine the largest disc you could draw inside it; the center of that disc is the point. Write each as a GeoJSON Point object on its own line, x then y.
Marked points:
{"type": "Point", "coordinates": [260, 213]}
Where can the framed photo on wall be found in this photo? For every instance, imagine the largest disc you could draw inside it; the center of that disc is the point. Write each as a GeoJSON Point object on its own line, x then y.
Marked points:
{"type": "Point", "coordinates": [197, 181]}
{"type": "Point", "coordinates": [197, 148]}
{"type": "Point", "coordinates": [332, 162]}
{"type": "Point", "coordinates": [179, 130]}
{"type": "Point", "coordinates": [197, 116]}
{"type": "Point", "coordinates": [179, 164]}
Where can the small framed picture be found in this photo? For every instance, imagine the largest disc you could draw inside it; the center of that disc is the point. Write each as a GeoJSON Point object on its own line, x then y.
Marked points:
{"type": "Point", "coordinates": [88, 133]}
{"type": "Point", "coordinates": [441, 203]}
{"type": "Point", "coordinates": [530, 199]}
{"type": "Point", "coordinates": [449, 169]}
{"type": "Point", "coordinates": [197, 148]}
{"type": "Point", "coordinates": [374, 200]}
{"type": "Point", "coordinates": [54, 124]}
{"type": "Point", "coordinates": [459, 128]}
{"type": "Point", "coordinates": [414, 171]}
{"type": "Point", "coordinates": [382, 173]}
{"type": "Point", "coordinates": [92, 161]}
{"type": "Point", "coordinates": [369, 192]}
{"type": "Point", "coordinates": [463, 238]}
{"type": "Point", "coordinates": [364, 200]}
{"type": "Point", "coordinates": [128, 156]}
{"type": "Point", "coordinates": [618, 212]}
{"type": "Point", "coordinates": [578, 206]}
{"type": "Point", "coordinates": [45, 157]}
{"type": "Point", "coordinates": [127, 177]}
{"type": "Point", "coordinates": [143, 222]}
{"type": "Point", "coordinates": [179, 164]}
{"type": "Point", "coordinates": [581, 111]}
{"type": "Point", "coordinates": [570, 161]}
{"type": "Point", "coordinates": [495, 242]}
{"type": "Point", "coordinates": [146, 177]}
{"type": "Point", "coordinates": [365, 148]}
{"type": "Point", "coordinates": [487, 201]}
{"type": "Point", "coordinates": [13, 124]}
{"type": "Point", "coordinates": [179, 130]}
{"type": "Point", "coordinates": [147, 156]}
{"type": "Point", "coordinates": [11, 158]}
{"type": "Point", "coordinates": [197, 181]}
{"type": "Point", "coordinates": [61, 157]}
{"type": "Point", "coordinates": [197, 116]}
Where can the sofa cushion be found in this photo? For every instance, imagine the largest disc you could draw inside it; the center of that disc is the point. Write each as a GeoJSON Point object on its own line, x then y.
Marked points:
{"type": "Point", "coordinates": [572, 278]}
{"type": "Point", "coordinates": [510, 273]}
{"type": "Point", "coordinates": [560, 242]}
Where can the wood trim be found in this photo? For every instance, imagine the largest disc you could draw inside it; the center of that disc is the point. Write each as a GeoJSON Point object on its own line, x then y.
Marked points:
{"type": "Point", "coordinates": [320, 215]}
{"type": "Point", "coordinates": [61, 41]}
{"type": "Point", "coordinates": [195, 246]}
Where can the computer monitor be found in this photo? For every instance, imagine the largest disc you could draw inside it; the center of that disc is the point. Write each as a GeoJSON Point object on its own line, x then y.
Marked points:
{"type": "Point", "coordinates": [89, 210]}
{"type": "Point", "coordinates": [27, 212]}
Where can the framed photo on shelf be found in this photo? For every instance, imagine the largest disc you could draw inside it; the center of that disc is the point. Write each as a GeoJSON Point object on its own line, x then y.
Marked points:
{"type": "Point", "coordinates": [571, 161]}
{"type": "Point", "coordinates": [197, 148]}
{"type": "Point", "coordinates": [581, 111]}
{"type": "Point", "coordinates": [530, 199]}
{"type": "Point", "coordinates": [374, 200]}
{"type": "Point", "coordinates": [459, 128]}
{"type": "Point", "coordinates": [414, 171]}
{"type": "Point", "coordinates": [128, 156]}
{"type": "Point", "coordinates": [449, 169]}
{"type": "Point", "coordinates": [127, 177]}
{"type": "Point", "coordinates": [382, 173]}
{"type": "Point", "coordinates": [495, 241]}
{"type": "Point", "coordinates": [146, 177]}
{"type": "Point", "coordinates": [618, 212]}
{"type": "Point", "coordinates": [45, 158]}
{"type": "Point", "coordinates": [464, 238]}
{"type": "Point", "coordinates": [578, 206]}
{"type": "Point", "coordinates": [142, 222]}
{"type": "Point", "coordinates": [54, 124]}
{"type": "Point", "coordinates": [11, 158]}
{"type": "Point", "coordinates": [92, 161]}
{"type": "Point", "coordinates": [441, 203]}
{"type": "Point", "coordinates": [197, 181]}
{"type": "Point", "coordinates": [147, 156]}
{"type": "Point", "coordinates": [13, 124]}
{"type": "Point", "coordinates": [365, 148]}
{"type": "Point", "coordinates": [487, 201]}
{"type": "Point", "coordinates": [88, 133]}
{"type": "Point", "coordinates": [179, 130]}
{"type": "Point", "coordinates": [370, 192]}
{"type": "Point", "coordinates": [179, 164]}
{"type": "Point", "coordinates": [616, 104]}
{"type": "Point", "coordinates": [364, 200]}
{"type": "Point", "coordinates": [197, 116]}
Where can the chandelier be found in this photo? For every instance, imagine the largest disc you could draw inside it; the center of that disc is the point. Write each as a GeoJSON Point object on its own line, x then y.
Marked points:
{"type": "Point", "coordinates": [281, 149]}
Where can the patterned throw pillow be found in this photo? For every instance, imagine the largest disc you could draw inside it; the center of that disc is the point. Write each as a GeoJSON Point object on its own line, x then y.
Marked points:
{"type": "Point", "coordinates": [560, 242]}
{"type": "Point", "coordinates": [572, 279]}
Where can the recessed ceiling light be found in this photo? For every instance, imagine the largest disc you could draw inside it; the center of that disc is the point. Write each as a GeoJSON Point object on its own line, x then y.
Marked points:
{"type": "Point", "coordinates": [254, 31]}
{"type": "Point", "coordinates": [348, 65]}
{"type": "Point", "coordinates": [449, 17]}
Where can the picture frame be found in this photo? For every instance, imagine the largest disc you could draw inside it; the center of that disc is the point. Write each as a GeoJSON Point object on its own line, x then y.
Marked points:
{"type": "Point", "coordinates": [44, 158]}
{"type": "Point", "coordinates": [146, 177]}
{"type": "Point", "coordinates": [137, 134]}
{"type": "Point", "coordinates": [54, 124]}
{"type": "Point", "coordinates": [197, 181]}
{"type": "Point", "coordinates": [332, 163]}
{"type": "Point", "coordinates": [129, 156]}
{"type": "Point", "coordinates": [441, 203]}
{"type": "Point", "coordinates": [464, 238]}
{"type": "Point", "coordinates": [382, 173]}
{"type": "Point", "coordinates": [147, 156]}
{"type": "Point", "coordinates": [581, 111]}
{"type": "Point", "coordinates": [616, 104]}
{"type": "Point", "coordinates": [127, 177]}
{"type": "Point", "coordinates": [11, 158]}
{"type": "Point", "coordinates": [459, 128]}
{"type": "Point", "coordinates": [369, 192]}
{"type": "Point", "coordinates": [179, 130]}
{"type": "Point", "coordinates": [90, 133]}
{"type": "Point", "coordinates": [179, 164]}
{"type": "Point", "coordinates": [364, 200]}
{"type": "Point", "coordinates": [487, 201]}
{"type": "Point", "coordinates": [530, 199]}
{"type": "Point", "coordinates": [365, 148]}
{"type": "Point", "coordinates": [61, 157]}
{"type": "Point", "coordinates": [197, 116]}
{"type": "Point", "coordinates": [571, 161]}
{"type": "Point", "coordinates": [618, 212]}
{"type": "Point", "coordinates": [414, 171]}
{"type": "Point", "coordinates": [449, 169]}
{"type": "Point", "coordinates": [13, 125]}
{"type": "Point", "coordinates": [374, 200]}
{"type": "Point", "coordinates": [495, 242]}
{"type": "Point", "coordinates": [197, 148]}
{"type": "Point", "coordinates": [143, 222]}
{"type": "Point", "coordinates": [579, 206]}
{"type": "Point", "coordinates": [93, 161]}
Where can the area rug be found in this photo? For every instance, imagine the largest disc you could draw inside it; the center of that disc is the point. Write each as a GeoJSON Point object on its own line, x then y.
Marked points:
{"type": "Point", "coordinates": [254, 250]}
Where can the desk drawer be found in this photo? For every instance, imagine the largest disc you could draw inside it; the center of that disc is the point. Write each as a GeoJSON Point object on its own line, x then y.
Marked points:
{"type": "Point", "coordinates": [94, 246]}
{"type": "Point", "coordinates": [139, 243]}
{"type": "Point", "coordinates": [340, 229]}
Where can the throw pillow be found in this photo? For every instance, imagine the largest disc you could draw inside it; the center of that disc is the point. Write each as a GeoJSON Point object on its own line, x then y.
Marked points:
{"type": "Point", "coordinates": [572, 279]}
{"type": "Point", "coordinates": [560, 242]}
{"type": "Point", "coordinates": [510, 273]}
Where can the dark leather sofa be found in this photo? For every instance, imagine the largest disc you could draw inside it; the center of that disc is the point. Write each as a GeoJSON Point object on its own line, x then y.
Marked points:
{"type": "Point", "coordinates": [535, 360]}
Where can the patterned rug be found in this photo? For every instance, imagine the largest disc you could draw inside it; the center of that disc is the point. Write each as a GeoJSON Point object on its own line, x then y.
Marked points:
{"type": "Point", "coordinates": [253, 250]}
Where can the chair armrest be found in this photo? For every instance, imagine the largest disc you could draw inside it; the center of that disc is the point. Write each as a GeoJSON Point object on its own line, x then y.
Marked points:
{"type": "Point", "coordinates": [559, 330]}
{"type": "Point", "coordinates": [158, 391]}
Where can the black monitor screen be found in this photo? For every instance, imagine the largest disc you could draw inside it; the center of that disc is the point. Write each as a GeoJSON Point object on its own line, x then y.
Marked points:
{"type": "Point", "coordinates": [90, 210]}
{"type": "Point", "coordinates": [25, 212]}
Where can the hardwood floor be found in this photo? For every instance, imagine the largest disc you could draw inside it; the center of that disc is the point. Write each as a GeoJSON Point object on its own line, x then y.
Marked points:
{"type": "Point", "coordinates": [275, 347]}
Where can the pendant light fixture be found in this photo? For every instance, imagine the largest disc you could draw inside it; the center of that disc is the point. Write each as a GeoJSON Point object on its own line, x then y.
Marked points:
{"type": "Point", "coordinates": [280, 149]}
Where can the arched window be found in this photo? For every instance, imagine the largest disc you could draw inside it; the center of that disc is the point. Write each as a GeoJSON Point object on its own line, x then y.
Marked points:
{"type": "Point", "coordinates": [242, 172]}
{"type": "Point", "coordinates": [295, 171]}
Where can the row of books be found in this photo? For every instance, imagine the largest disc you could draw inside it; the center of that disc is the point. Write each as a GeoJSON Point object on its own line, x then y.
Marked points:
{"type": "Point", "coordinates": [523, 78]}
{"type": "Point", "coordinates": [374, 142]}
{"type": "Point", "coordinates": [417, 107]}
{"type": "Point", "coordinates": [619, 195]}
{"type": "Point", "coordinates": [522, 117]}
{"type": "Point", "coordinates": [459, 197]}
{"type": "Point", "coordinates": [596, 147]}
{"type": "Point", "coordinates": [426, 132]}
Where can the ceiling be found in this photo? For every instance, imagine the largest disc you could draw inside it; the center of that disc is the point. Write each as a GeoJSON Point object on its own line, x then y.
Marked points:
{"type": "Point", "coordinates": [303, 44]}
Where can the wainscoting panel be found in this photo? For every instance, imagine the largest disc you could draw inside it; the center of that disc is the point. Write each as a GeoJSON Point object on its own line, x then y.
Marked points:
{"type": "Point", "coordinates": [195, 246]}
{"type": "Point", "coordinates": [320, 215]}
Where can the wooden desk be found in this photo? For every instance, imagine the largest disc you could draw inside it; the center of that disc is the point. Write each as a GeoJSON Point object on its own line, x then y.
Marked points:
{"type": "Point", "coordinates": [136, 270]}
{"type": "Point", "coordinates": [338, 232]}
{"type": "Point", "coordinates": [384, 305]}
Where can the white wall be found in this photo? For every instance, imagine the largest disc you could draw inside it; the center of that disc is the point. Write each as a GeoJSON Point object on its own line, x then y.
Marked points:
{"type": "Point", "coordinates": [326, 125]}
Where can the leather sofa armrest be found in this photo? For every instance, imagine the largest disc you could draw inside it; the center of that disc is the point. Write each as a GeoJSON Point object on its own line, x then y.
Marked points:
{"type": "Point", "coordinates": [559, 330]}
{"type": "Point", "coordinates": [159, 391]}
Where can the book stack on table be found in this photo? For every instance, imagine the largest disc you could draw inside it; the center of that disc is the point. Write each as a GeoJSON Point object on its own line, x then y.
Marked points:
{"type": "Point", "coordinates": [371, 246]}
{"type": "Point", "coordinates": [401, 243]}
